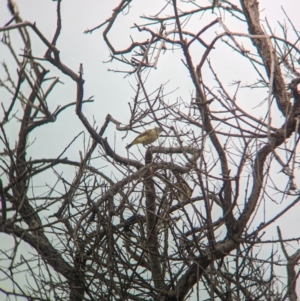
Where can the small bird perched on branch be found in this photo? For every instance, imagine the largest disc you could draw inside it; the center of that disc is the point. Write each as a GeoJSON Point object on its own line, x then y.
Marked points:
{"type": "Point", "coordinates": [146, 137]}
{"type": "Point", "coordinates": [184, 190]}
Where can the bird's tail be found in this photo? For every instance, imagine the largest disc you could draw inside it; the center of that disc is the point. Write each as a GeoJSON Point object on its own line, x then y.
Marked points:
{"type": "Point", "coordinates": [128, 146]}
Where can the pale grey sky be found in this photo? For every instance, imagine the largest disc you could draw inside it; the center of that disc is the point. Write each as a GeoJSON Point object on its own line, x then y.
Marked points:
{"type": "Point", "coordinates": [112, 91]}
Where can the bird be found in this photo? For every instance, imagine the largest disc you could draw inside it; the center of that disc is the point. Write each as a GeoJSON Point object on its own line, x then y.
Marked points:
{"type": "Point", "coordinates": [146, 137]}
{"type": "Point", "coordinates": [184, 190]}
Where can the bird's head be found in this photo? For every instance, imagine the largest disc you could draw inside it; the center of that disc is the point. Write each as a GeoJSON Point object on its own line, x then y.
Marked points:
{"type": "Point", "coordinates": [159, 130]}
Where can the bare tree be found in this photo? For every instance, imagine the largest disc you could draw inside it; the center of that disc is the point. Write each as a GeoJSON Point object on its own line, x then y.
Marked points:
{"type": "Point", "coordinates": [184, 218]}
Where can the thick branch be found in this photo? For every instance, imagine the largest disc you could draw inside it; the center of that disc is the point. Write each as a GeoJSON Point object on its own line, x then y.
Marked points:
{"type": "Point", "coordinates": [267, 53]}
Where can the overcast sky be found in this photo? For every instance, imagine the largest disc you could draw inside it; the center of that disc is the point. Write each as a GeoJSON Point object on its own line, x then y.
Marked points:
{"type": "Point", "coordinates": [111, 91]}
